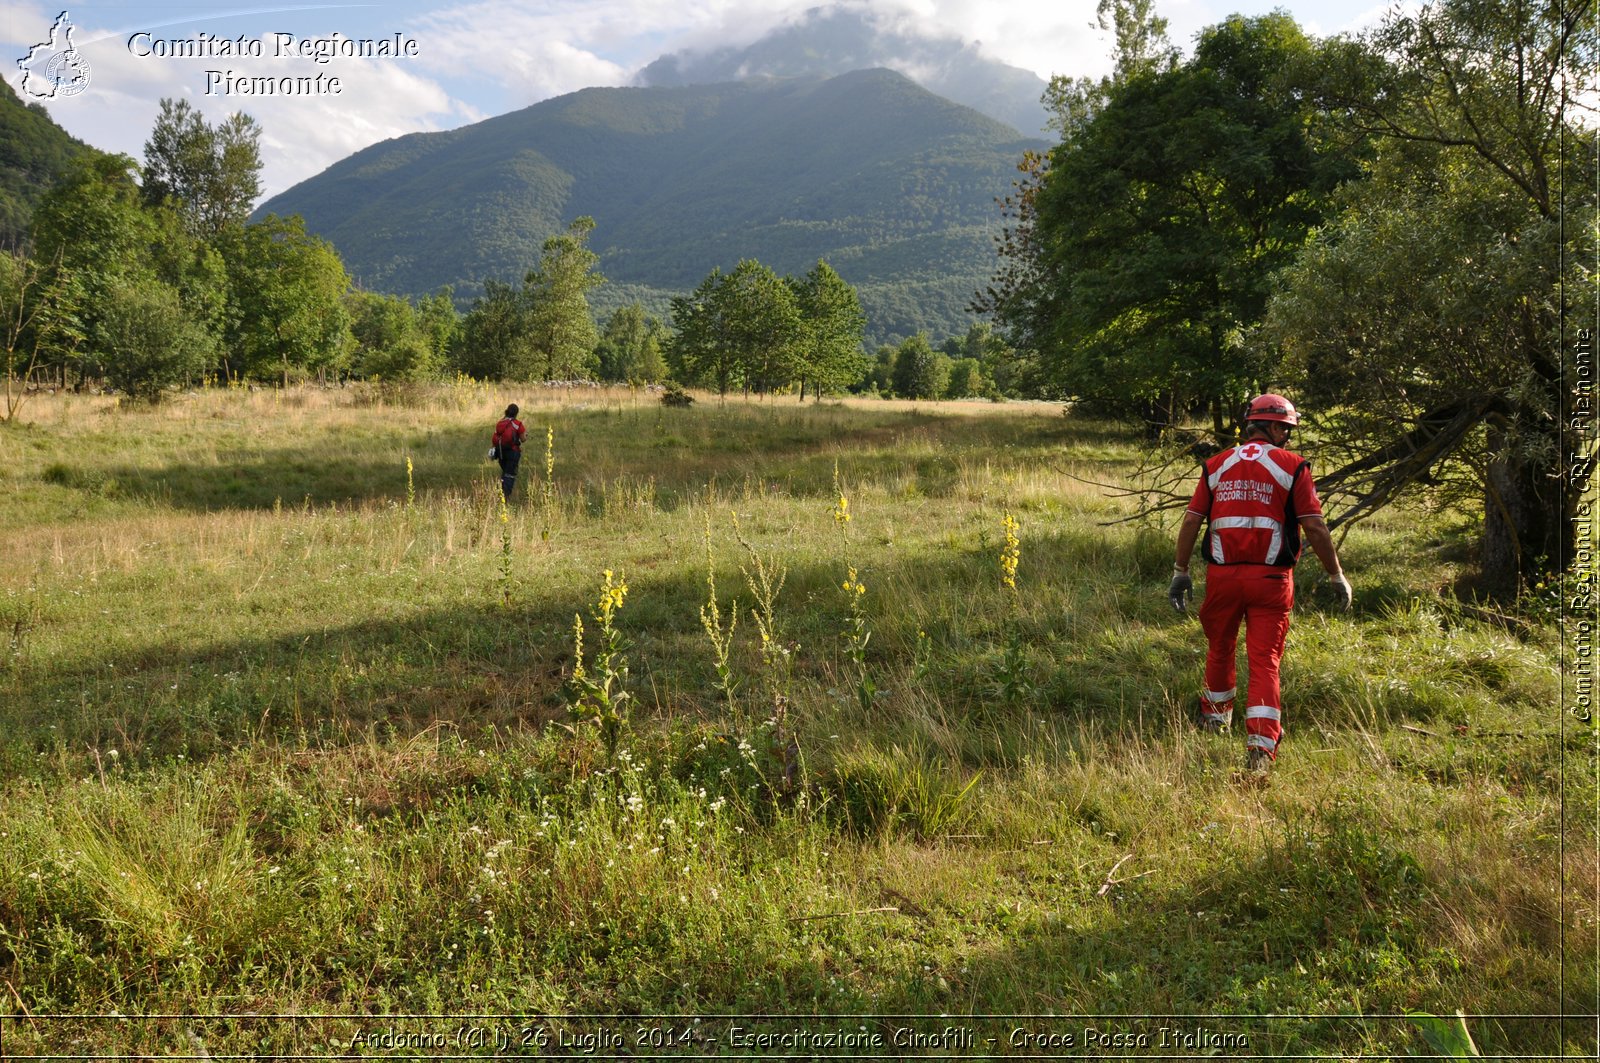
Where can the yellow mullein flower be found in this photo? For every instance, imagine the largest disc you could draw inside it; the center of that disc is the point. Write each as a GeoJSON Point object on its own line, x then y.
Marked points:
{"type": "Point", "coordinates": [577, 648]}
{"type": "Point", "coordinates": [854, 586]}
{"type": "Point", "coordinates": [612, 595]}
{"type": "Point", "coordinates": [1010, 553]}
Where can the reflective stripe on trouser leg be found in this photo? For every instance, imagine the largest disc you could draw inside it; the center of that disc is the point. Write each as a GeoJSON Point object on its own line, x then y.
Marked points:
{"type": "Point", "coordinates": [1263, 726]}
{"type": "Point", "coordinates": [1218, 706]}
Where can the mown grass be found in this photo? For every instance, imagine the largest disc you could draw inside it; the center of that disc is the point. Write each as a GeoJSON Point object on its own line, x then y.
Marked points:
{"type": "Point", "coordinates": [276, 740]}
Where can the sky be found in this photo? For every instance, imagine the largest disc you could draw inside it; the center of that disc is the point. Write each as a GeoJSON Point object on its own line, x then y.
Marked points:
{"type": "Point", "coordinates": [462, 62]}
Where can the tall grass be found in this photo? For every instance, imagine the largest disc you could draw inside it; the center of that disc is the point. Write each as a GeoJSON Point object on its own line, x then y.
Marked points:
{"type": "Point", "coordinates": [283, 730]}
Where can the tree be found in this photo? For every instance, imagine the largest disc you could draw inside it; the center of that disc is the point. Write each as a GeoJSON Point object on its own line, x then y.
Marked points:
{"type": "Point", "coordinates": [737, 328]}
{"type": "Point", "coordinates": [152, 343]}
{"type": "Point", "coordinates": [1002, 370]}
{"type": "Point", "coordinates": [832, 324]}
{"type": "Point", "coordinates": [438, 321]}
{"type": "Point", "coordinates": [192, 267]}
{"type": "Point", "coordinates": [1159, 226]}
{"type": "Point", "coordinates": [880, 374]}
{"type": "Point", "coordinates": [492, 341]}
{"type": "Point", "coordinates": [389, 340]}
{"type": "Point", "coordinates": [1427, 318]}
{"type": "Point", "coordinates": [916, 370]}
{"type": "Point", "coordinates": [630, 347]}
{"type": "Point", "coordinates": [561, 332]}
{"type": "Point", "coordinates": [762, 317]}
{"type": "Point", "coordinates": [91, 232]}
{"type": "Point", "coordinates": [965, 379]}
{"type": "Point", "coordinates": [1141, 49]}
{"type": "Point", "coordinates": [38, 315]}
{"type": "Point", "coordinates": [211, 175]}
{"type": "Point", "coordinates": [286, 300]}
{"type": "Point", "coordinates": [701, 351]}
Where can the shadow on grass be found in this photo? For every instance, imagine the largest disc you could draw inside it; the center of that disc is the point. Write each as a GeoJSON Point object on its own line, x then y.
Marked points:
{"type": "Point", "coordinates": [483, 665]}
{"type": "Point", "coordinates": [679, 451]}
{"type": "Point", "coordinates": [1334, 930]}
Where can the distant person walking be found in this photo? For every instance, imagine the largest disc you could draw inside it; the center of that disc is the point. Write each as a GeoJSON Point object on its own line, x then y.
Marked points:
{"type": "Point", "coordinates": [1255, 498]}
{"type": "Point", "coordinates": [507, 448]}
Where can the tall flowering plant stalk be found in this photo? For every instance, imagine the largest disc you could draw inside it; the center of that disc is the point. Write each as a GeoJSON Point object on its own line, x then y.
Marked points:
{"type": "Point", "coordinates": [857, 628]}
{"type": "Point", "coordinates": [720, 631]}
{"type": "Point", "coordinates": [764, 578]}
{"type": "Point", "coordinates": [505, 552]}
{"type": "Point", "coordinates": [596, 691]}
{"type": "Point", "coordinates": [1012, 674]}
{"type": "Point", "coordinates": [549, 486]}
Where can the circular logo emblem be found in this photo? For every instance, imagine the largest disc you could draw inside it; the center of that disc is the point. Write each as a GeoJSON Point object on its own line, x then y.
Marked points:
{"type": "Point", "coordinates": [67, 73]}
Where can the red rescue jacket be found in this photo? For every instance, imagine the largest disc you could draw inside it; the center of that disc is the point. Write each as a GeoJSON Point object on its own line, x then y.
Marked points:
{"type": "Point", "coordinates": [1253, 496]}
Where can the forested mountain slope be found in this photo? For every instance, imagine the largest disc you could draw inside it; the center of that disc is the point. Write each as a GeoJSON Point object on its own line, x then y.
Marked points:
{"type": "Point", "coordinates": [892, 185]}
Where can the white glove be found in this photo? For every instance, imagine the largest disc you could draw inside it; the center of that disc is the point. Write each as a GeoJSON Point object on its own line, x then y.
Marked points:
{"type": "Point", "coordinates": [1179, 589]}
{"type": "Point", "coordinates": [1342, 592]}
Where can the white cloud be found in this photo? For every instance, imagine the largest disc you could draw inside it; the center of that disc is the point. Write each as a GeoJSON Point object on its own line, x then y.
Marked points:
{"type": "Point", "coordinates": [1050, 39]}
{"type": "Point", "coordinates": [561, 46]}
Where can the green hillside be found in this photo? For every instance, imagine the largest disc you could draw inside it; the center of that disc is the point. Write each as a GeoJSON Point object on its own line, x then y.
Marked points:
{"type": "Point", "coordinates": [33, 150]}
{"type": "Point", "coordinates": [891, 184]}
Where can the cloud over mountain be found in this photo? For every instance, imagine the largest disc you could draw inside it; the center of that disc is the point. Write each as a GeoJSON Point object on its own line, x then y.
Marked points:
{"type": "Point", "coordinates": [832, 40]}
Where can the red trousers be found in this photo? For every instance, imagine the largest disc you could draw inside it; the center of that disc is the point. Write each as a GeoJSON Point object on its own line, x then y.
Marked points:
{"type": "Point", "coordinates": [1261, 596]}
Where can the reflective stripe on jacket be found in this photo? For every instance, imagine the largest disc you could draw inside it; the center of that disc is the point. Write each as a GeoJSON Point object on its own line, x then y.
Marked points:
{"type": "Point", "coordinates": [1253, 497]}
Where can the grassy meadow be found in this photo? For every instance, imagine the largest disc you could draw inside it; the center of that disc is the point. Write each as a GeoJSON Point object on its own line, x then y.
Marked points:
{"type": "Point", "coordinates": [287, 727]}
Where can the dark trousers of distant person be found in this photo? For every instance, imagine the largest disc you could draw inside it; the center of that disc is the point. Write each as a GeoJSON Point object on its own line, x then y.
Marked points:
{"type": "Point", "coordinates": [509, 460]}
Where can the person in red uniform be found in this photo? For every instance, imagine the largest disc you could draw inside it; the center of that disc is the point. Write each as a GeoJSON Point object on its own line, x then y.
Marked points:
{"type": "Point", "coordinates": [1256, 499]}
{"type": "Point", "coordinates": [508, 436]}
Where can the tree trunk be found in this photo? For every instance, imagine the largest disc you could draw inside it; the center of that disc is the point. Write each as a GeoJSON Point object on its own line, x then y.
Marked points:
{"type": "Point", "coordinates": [1526, 531]}
{"type": "Point", "coordinates": [1158, 418]}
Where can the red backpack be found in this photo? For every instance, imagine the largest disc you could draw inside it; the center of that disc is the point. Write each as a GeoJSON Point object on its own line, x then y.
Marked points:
{"type": "Point", "coordinates": [508, 434]}
{"type": "Point", "coordinates": [507, 438]}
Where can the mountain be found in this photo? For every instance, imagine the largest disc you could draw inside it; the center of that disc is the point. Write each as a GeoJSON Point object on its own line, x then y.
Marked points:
{"type": "Point", "coordinates": [836, 40]}
{"type": "Point", "coordinates": [33, 153]}
{"type": "Point", "coordinates": [892, 185]}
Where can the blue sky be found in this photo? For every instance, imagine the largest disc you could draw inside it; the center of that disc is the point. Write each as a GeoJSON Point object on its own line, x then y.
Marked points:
{"type": "Point", "coordinates": [478, 59]}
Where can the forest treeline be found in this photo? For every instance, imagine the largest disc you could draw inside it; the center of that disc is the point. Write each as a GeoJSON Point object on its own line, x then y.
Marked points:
{"type": "Point", "coordinates": [150, 276]}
